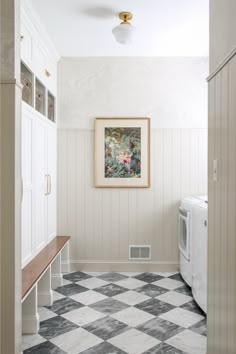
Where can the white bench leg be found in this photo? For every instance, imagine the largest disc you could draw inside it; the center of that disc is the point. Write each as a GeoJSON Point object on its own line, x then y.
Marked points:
{"type": "Point", "coordinates": [45, 295]}
{"type": "Point", "coordinates": [30, 316]}
{"type": "Point", "coordinates": [56, 272]}
{"type": "Point", "coordinates": [65, 259]}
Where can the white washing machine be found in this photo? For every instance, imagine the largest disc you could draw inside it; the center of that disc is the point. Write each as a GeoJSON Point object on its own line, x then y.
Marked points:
{"type": "Point", "coordinates": [199, 253]}
{"type": "Point", "coordinates": [185, 236]}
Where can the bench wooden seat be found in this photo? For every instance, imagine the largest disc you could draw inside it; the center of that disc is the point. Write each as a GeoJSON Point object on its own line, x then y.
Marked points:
{"type": "Point", "coordinates": [33, 271]}
{"type": "Point", "coordinates": [40, 277]}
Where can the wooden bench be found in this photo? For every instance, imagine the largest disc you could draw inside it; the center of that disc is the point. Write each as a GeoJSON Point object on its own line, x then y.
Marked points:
{"type": "Point", "coordinates": [40, 277]}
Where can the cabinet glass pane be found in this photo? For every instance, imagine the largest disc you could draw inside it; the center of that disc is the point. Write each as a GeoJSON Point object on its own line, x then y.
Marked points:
{"type": "Point", "coordinates": [51, 107]}
{"type": "Point", "coordinates": [27, 82]}
{"type": "Point", "coordinates": [39, 97]}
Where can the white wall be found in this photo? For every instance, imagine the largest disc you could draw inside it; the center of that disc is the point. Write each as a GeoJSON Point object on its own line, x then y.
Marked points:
{"type": "Point", "coordinates": [103, 222]}
{"type": "Point", "coordinates": [222, 30]}
{"type": "Point", "coordinates": [172, 91]}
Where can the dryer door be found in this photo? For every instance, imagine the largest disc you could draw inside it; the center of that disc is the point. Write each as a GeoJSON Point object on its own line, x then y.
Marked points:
{"type": "Point", "coordinates": [184, 233]}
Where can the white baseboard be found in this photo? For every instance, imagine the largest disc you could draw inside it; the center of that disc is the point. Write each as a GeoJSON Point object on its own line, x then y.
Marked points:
{"type": "Point", "coordinates": [30, 324]}
{"type": "Point", "coordinates": [65, 267]}
{"type": "Point", "coordinates": [56, 280]}
{"type": "Point", "coordinates": [122, 266]}
{"type": "Point", "coordinates": [45, 298]}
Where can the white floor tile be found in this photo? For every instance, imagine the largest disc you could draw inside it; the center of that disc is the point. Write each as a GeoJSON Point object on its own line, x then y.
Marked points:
{"type": "Point", "coordinates": [31, 340]}
{"type": "Point", "coordinates": [131, 283]}
{"type": "Point", "coordinates": [92, 283]}
{"type": "Point", "coordinates": [131, 298]}
{"type": "Point", "coordinates": [83, 316]}
{"type": "Point", "coordinates": [88, 297]}
{"type": "Point", "coordinates": [189, 342]}
{"type": "Point", "coordinates": [132, 316]}
{"type": "Point", "coordinates": [65, 282]}
{"type": "Point", "coordinates": [182, 317]}
{"type": "Point", "coordinates": [165, 274]}
{"type": "Point", "coordinates": [45, 314]}
{"type": "Point", "coordinates": [168, 283]}
{"type": "Point", "coordinates": [76, 341]}
{"type": "Point", "coordinates": [134, 341]}
{"type": "Point", "coordinates": [57, 296]}
{"type": "Point", "coordinates": [174, 298]}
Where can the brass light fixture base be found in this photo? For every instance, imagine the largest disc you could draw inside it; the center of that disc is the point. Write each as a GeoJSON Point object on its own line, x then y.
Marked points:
{"type": "Point", "coordinates": [125, 17]}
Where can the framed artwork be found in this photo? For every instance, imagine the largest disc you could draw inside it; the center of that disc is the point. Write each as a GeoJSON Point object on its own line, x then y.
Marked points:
{"type": "Point", "coordinates": [122, 152]}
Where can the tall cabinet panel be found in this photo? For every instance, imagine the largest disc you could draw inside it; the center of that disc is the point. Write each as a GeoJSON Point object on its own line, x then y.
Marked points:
{"type": "Point", "coordinates": [38, 77]}
{"type": "Point", "coordinates": [27, 179]}
{"type": "Point", "coordinates": [39, 170]}
{"type": "Point", "coordinates": [51, 142]}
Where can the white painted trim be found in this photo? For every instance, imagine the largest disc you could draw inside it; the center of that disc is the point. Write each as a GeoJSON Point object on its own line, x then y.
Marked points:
{"type": "Point", "coordinates": [222, 64]}
{"type": "Point", "coordinates": [64, 127]}
{"type": "Point", "coordinates": [94, 265]}
{"type": "Point", "coordinates": [12, 82]}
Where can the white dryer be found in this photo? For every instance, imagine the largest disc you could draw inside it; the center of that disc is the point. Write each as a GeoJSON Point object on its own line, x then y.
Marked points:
{"type": "Point", "coordinates": [185, 236]}
{"type": "Point", "coordinates": [199, 253]}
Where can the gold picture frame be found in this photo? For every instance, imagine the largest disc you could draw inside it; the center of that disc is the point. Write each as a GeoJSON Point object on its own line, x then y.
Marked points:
{"type": "Point", "coordinates": [122, 152]}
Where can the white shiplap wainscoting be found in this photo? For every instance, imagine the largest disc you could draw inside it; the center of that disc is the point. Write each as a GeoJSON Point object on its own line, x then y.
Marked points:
{"type": "Point", "coordinates": [104, 222]}
{"type": "Point", "coordinates": [222, 209]}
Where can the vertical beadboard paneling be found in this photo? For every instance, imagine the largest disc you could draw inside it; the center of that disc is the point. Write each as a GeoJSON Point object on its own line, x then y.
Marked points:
{"type": "Point", "coordinates": [232, 208]}
{"type": "Point", "coordinates": [103, 222]}
{"type": "Point", "coordinates": [222, 211]}
{"type": "Point", "coordinates": [217, 218]}
{"type": "Point", "coordinates": [62, 190]}
{"type": "Point", "coordinates": [211, 210]}
{"type": "Point", "coordinates": [224, 208]}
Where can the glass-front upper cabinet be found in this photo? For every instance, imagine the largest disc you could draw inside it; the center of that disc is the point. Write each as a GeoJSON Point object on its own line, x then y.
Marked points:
{"type": "Point", "coordinates": [51, 107]}
{"type": "Point", "coordinates": [27, 82]}
{"type": "Point", "coordinates": [40, 97]}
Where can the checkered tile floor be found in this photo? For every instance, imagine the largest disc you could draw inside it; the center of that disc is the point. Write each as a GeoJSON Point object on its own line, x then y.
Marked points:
{"type": "Point", "coordinates": [120, 313]}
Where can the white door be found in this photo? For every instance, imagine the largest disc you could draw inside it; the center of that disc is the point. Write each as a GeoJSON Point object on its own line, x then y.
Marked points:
{"type": "Point", "coordinates": [26, 171]}
{"type": "Point", "coordinates": [51, 173]}
{"type": "Point", "coordinates": [39, 170]}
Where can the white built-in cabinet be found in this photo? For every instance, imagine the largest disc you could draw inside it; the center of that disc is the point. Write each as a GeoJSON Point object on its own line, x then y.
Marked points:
{"type": "Point", "coordinates": [39, 137]}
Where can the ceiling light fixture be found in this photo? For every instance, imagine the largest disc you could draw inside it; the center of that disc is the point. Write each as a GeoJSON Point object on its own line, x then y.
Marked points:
{"type": "Point", "coordinates": [124, 32]}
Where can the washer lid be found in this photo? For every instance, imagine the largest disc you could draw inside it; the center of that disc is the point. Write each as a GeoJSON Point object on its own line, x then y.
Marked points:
{"type": "Point", "coordinates": [203, 198]}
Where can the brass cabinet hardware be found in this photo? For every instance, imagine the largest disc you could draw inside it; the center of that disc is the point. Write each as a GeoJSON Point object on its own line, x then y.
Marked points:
{"type": "Point", "coordinates": [47, 73]}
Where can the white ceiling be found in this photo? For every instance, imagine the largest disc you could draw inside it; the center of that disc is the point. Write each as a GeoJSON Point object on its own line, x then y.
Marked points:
{"type": "Point", "coordinates": [163, 27]}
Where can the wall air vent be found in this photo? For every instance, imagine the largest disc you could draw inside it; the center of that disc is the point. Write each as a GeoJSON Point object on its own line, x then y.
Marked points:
{"type": "Point", "coordinates": [140, 252]}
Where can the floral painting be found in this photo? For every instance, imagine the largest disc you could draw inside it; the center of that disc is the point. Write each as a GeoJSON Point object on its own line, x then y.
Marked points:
{"type": "Point", "coordinates": [122, 152]}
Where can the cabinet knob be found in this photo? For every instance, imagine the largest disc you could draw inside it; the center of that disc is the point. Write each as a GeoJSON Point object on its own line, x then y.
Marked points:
{"type": "Point", "coordinates": [21, 37]}
{"type": "Point", "coordinates": [47, 73]}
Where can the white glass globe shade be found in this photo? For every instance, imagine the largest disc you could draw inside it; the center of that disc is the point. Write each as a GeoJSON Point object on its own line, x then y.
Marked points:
{"type": "Point", "coordinates": [124, 33]}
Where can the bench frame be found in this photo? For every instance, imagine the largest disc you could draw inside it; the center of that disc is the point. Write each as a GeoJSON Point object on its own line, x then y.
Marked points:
{"type": "Point", "coordinates": [40, 292]}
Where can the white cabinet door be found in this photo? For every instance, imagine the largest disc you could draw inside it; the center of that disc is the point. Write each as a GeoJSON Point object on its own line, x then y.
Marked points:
{"type": "Point", "coordinates": [27, 201]}
{"type": "Point", "coordinates": [51, 172]}
{"type": "Point", "coordinates": [39, 170]}
{"type": "Point", "coordinates": [26, 44]}
{"type": "Point", "coordinates": [39, 58]}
